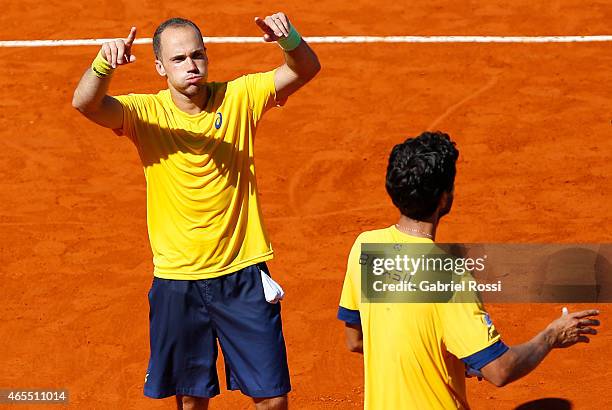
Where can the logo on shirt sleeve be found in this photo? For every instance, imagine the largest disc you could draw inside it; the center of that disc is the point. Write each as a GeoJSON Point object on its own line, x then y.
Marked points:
{"type": "Point", "coordinates": [218, 120]}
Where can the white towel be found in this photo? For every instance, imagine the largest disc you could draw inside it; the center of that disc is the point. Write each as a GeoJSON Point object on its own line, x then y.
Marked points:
{"type": "Point", "coordinates": [272, 290]}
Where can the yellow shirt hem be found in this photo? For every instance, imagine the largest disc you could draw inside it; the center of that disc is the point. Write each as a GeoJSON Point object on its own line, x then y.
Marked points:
{"type": "Point", "coordinates": [215, 274]}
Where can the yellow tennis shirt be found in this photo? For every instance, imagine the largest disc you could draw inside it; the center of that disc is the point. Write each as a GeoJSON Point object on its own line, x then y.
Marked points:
{"type": "Point", "coordinates": [416, 354]}
{"type": "Point", "coordinates": [203, 214]}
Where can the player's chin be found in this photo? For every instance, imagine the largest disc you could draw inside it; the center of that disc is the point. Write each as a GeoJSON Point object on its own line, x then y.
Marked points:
{"type": "Point", "coordinates": [191, 89]}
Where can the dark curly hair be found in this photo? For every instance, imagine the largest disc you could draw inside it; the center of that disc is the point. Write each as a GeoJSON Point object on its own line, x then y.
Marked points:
{"type": "Point", "coordinates": [173, 22]}
{"type": "Point", "coordinates": [419, 171]}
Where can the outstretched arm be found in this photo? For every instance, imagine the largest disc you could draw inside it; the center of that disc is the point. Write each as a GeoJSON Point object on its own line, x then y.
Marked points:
{"type": "Point", "coordinates": [301, 63]}
{"type": "Point", "coordinates": [90, 96]}
{"type": "Point", "coordinates": [519, 360]}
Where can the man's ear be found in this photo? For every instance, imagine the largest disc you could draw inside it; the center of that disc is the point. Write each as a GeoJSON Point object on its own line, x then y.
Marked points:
{"type": "Point", "coordinates": [160, 68]}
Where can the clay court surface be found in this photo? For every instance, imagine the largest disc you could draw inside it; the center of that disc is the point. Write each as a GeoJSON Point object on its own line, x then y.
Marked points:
{"type": "Point", "coordinates": [532, 123]}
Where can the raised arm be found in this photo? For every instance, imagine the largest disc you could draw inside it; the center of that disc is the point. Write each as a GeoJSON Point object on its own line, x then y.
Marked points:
{"type": "Point", "coordinates": [519, 360]}
{"type": "Point", "coordinates": [90, 96]}
{"type": "Point", "coordinates": [301, 63]}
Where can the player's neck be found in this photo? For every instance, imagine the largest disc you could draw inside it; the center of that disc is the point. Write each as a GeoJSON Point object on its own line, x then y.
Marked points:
{"type": "Point", "coordinates": [190, 104]}
{"type": "Point", "coordinates": [421, 229]}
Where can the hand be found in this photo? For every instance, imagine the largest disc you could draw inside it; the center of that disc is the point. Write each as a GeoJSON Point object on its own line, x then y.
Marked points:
{"type": "Point", "coordinates": [274, 27]}
{"type": "Point", "coordinates": [119, 52]}
{"type": "Point", "coordinates": [571, 328]}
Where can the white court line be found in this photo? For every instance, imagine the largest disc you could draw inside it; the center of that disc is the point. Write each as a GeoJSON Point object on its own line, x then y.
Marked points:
{"type": "Point", "coordinates": [335, 39]}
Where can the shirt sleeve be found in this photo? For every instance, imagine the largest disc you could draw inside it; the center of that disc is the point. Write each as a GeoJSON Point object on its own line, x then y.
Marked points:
{"type": "Point", "coordinates": [261, 92]}
{"type": "Point", "coordinates": [348, 311]}
{"type": "Point", "coordinates": [132, 111]}
{"type": "Point", "coordinates": [470, 335]}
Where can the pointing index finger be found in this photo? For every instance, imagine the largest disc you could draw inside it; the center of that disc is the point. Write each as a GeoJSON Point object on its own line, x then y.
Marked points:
{"type": "Point", "coordinates": [263, 26]}
{"type": "Point", "coordinates": [130, 38]}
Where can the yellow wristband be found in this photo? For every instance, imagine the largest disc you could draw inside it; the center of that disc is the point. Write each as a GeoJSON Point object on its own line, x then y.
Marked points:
{"type": "Point", "coordinates": [292, 41]}
{"type": "Point", "coordinates": [100, 67]}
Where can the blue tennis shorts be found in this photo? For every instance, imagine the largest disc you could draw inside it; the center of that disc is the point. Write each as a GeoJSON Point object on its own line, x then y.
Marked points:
{"type": "Point", "coordinates": [186, 319]}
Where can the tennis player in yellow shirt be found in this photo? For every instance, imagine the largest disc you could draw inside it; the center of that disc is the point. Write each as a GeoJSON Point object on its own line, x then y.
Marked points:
{"type": "Point", "coordinates": [196, 143]}
{"type": "Point", "coordinates": [416, 355]}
